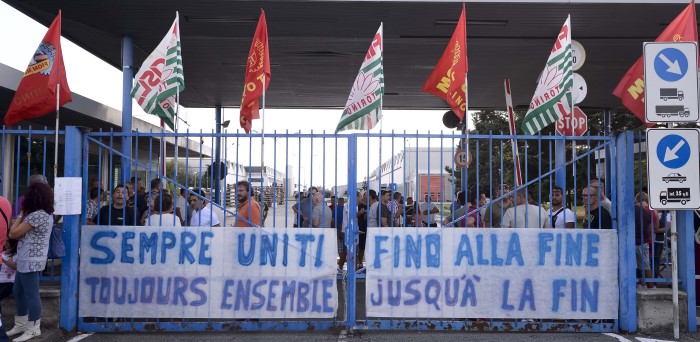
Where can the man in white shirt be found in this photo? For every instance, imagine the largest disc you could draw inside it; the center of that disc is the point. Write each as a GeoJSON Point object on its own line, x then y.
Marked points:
{"type": "Point", "coordinates": [560, 216]}
{"type": "Point", "coordinates": [430, 212]}
{"type": "Point", "coordinates": [525, 215]}
{"type": "Point", "coordinates": [181, 207]}
{"type": "Point", "coordinates": [202, 216]}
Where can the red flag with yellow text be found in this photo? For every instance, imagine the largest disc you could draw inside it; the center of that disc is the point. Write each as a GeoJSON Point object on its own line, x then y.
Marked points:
{"type": "Point", "coordinates": [448, 77]}
{"type": "Point", "coordinates": [36, 93]}
{"type": "Point", "coordinates": [631, 87]}
{"type": "Point", "coordinates": [257, 74]}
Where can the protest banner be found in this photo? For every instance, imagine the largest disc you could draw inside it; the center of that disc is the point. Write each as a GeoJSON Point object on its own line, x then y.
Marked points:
{"type": "Point", "coordinates": [198, 272]}
{"type": "Point", "coordinates": [492, 273]}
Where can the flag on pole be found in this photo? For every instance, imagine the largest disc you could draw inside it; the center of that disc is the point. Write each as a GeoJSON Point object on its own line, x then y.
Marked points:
{"type": "Point", "coordinates": [257, 75]}
{"type": "Point", "coordinates": [36, 93]}
{"type": "Point", "coordinates": [631, 87]}
{"type": "Point", "coordinates": [447, 80]}
{"type": "Point", "coordinates": [552, 99]}
{"type": "Point", "coordinates": [161, 77]}
{"type": "Point", "coordinates": [363, 110]}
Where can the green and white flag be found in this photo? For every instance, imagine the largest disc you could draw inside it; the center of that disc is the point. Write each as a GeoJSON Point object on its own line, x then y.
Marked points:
{"type": "Point", "coordinates": [364, 107]}
{"type": "Point", "coordinates": [160, 78]}
{"type": "Point", "coordinates": [552, 99]}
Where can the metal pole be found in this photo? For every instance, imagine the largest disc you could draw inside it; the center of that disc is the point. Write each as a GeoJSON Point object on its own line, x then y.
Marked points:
{"type": "Point", "coordinates": [127, 83]}
{"type": "Point", "coordinates": [217, 156]}
{"type": "Point", "coordinates": [674, 272]}
{"type": "Point", "coordinates": [55, 150]}
{"type": "Point", "coordinates": [263, 173]}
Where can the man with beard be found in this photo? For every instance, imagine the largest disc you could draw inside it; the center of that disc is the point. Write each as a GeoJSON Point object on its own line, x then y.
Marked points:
{"type": "Point", "coordinates": [561, 217]}
{"type": "Point", "coordinates": [116, 214]}
{"type": "Point", "coordinates": [248, 214]}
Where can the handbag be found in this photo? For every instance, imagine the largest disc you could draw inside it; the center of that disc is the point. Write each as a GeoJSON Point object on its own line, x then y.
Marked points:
{"type": "Point", "coordinates": [57, 249]}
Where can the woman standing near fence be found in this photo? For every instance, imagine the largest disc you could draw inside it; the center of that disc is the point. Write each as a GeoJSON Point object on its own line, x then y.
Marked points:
{"type": "Point", "coordinates": [33, 230]}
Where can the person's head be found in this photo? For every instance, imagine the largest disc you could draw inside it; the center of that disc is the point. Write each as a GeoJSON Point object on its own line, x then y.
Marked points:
{"type": "Point", "coordinates": [397, 196]}
{"type": "Point", "coordinates": [137, 183]}
{"type": "Point", "coordinates": [591, 197]}
{"type": "Point", "coordinates": [642, 198]}
{"type": "Point", "coordinates": [317, 198]}
{"type": "Point", "coordinates": [483, 199]}
{"type": "Point", "coordinates": [409, 201]}
{"type": "Point", "coordinates": [386, 196]}
{"type": "Point", "coordinates": [94, 183]}
{"type": "Point", "coordinates": [426, 197]}
{"type": "Point", "coordinates": [242, 191]}
{"type": "Point", "coordinates": [156, 184]}
{"type": "Point", "coordinates": [600, 185]}
{"type": "Point", "coordinates": [163, 203]}
{"type": "Point", "coordinates": [94, 193]}
{"type": "Point", "coordinates": [129, 189]}
{"type": "Point", "coordinates": [39, 196]}
{"type": "Point", "coordinates": [557, 196]}
{"type": "Point", "coordinates": [521, 196]}
{"type": "Point", "coordinates": [341, 201]}
{"type": "Point", "coordinates": [197, 199]}
{"type": "Point", "coordinates": [461, 198]}
{"type": "Point", "coordinates": [373, 196]}
{"type": "Point", "coordinates": [333, 200]}
{"type": "Point", "coordinates": [471, 197]}
{"type": "Point", "coordinates": [314, 190]}
{"type": "Point", "coordinates": [118, 196]}
{"type": "Point", "coordinates": [361, 198]}
{"type": "Point", "coordinates": [183, 191]}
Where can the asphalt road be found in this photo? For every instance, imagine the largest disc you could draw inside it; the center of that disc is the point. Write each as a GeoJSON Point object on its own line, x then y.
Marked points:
{"type": "Point", "coordinates": [393, 336]}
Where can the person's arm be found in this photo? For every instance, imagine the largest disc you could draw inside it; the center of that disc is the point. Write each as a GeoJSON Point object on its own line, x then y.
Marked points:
{"type": "Point", "coordinates": [19, 228]}
{"type": "Point", "coordinates": [10, 263]}
{"type": "Point", "coordinates": [434, 209]}
{"type": "Point", "coordinates": [385, 223]}
{"type": "Point", "coordinates": [179, 215]}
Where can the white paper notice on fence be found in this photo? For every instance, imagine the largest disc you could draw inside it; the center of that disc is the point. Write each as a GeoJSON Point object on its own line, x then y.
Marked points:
{"type": "Point", "coordinates": [492, 273]}
{"type": "Point", "coordinates": [198, 272]}
{"type": "Point", "coordinates": [67, 196]}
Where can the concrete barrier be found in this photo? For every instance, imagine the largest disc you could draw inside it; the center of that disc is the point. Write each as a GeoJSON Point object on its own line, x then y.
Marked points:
{"type": "Point", "coordinates": [655, 310]}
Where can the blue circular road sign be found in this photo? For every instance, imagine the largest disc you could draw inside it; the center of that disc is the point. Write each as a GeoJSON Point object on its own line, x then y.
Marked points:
{"type": "Point", "coordinates": [670, 64]}
{"type": "Point", "coordinates": [673, 151]}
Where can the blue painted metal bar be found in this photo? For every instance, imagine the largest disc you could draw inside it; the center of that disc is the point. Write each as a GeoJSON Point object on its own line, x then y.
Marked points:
{"type": "Point", "coordinates": [217, 157]}
{"type": "Point", "coordinates": [127, 83]}
{"type": "Point", "coordinates": [351, 233]}
{"type": "Point", "coordinates": [560, 161]}
{"type": "Point", "coordinates": [686, 261]}
{"type": "Point", "coordinates": [626, 247]}
{"type": "Point", "coordinates": [71, 232]}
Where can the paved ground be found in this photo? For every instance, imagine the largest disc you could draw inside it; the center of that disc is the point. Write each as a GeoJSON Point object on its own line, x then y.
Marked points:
{"type": "Point", "coordinates": [371, 336]}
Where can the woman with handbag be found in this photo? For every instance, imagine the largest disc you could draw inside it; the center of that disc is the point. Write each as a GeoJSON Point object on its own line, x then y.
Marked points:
{"type": "Point", "coordinates": [33, 230]}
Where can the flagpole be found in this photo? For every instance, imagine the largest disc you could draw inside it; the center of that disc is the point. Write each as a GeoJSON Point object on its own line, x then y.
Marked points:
{"type": "Point", "coordinates": [262, 155]}
{"type": "Point", "coordinates": [55, 151]}
{"type": "Point", "coordinates": [176, 192]}
{"type": "Point", "coordinates": [465, 171]}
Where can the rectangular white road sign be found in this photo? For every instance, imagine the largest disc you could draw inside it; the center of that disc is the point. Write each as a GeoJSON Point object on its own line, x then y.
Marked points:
{"type": "Point", "coordinates": [672, 168]}
{"type": "Point", "coordinates": [671, 82]}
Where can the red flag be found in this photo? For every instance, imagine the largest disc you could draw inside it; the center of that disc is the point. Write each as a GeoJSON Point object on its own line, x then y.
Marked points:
{"type": "Point", "coordinates": [448, 77]}
{"type": "Point", "coordinates": [36, 93]}
{"type": "Point", "coordinates": [631, 87]}
{"type": "Point", "coordinates": [257, 69]}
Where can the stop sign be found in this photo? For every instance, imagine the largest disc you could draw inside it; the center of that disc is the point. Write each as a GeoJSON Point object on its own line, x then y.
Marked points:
{"type": "Point", "coordinates": [573, 127]}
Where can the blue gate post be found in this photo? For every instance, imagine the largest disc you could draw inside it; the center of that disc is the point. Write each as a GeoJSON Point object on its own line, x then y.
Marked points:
{"type": "Point", "coordinates": [351, 233]}
{"type": "Point", "coordinates": [624, 160]}
{"type": "Point", "coordinates": [686, 261]}
{"type": "Point", "coordinates": [560, 161]}
{"type": "Point", "coordinates": [71, 233]}
{"type": "Point", "coordinates": [127, 83]}
{"type": "Point", "coordinates": [217, 157]}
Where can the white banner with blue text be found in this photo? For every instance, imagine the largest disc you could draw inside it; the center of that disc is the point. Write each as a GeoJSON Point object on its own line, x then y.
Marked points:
{"type": "Point", "coordinates": [198, 272]}
{"type": "Point", "coordinates": [492, 273]}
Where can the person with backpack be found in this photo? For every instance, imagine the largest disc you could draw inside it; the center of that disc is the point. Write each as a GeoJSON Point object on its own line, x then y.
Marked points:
{"type": "Point", "coordinates": [560, 216]}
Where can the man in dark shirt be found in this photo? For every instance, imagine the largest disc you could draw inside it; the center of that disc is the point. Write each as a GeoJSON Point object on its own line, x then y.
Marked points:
{"type": "Point", "coordinates": [116, 214]}
{"type": "Point", "coordinates": [597, 217]}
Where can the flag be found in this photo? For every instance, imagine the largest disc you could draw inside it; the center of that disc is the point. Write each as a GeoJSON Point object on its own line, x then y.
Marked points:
{"type": "Point", "coordinates": [257, 75]}
{"type": "Point", "coordinates": [36, 93]}
{"type": "Point", "coordinates": [552, 99]}
{"type": "Point", "coordinates": [161, 77]}
{"type": "Point", "coordinates": [631, 87]}
{"type": "Point", "coordinates": [363, 110]}
{"type": "Point", "coordinates": [449, 76]}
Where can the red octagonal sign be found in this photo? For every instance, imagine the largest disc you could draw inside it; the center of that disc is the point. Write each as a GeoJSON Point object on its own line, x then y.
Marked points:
{"type": "Point", "coordinates": [576, 127]}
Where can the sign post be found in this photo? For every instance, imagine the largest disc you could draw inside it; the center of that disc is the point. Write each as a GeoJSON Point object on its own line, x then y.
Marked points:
{"type": "Point", "coordinates": [671, 95]}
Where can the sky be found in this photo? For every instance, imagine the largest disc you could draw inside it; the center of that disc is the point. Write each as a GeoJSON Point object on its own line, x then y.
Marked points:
{"type": "Point", "coordinates": [95, 79]}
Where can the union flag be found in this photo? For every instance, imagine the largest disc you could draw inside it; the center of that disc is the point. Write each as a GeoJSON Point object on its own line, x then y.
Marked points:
{"type": "Point", "coordinates": [257, 75]}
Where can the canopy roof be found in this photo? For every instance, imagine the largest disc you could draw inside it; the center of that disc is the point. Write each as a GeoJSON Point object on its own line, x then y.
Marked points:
{"type": "Point", "coordinates": [316, 47]}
